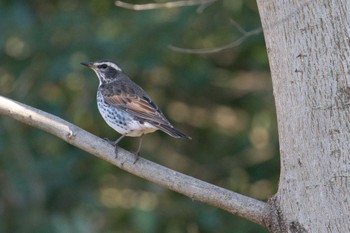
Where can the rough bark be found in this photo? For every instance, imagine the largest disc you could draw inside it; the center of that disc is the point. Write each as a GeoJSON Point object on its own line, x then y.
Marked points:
{"type": "Point", "coordinates": [308, 46]}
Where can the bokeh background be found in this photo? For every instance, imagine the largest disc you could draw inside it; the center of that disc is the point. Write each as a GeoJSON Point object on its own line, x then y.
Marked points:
{"type": "Point", "coordinates": [223, 100]}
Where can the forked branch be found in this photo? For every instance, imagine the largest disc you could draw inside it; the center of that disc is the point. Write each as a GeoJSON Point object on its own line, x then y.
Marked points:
{"type": "Point", "coordinates": [246, 207]}
{"type": "Point", "coordinates": [202, 5]}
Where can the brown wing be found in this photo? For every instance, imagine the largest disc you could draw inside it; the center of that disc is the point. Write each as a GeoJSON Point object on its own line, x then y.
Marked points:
{"type": "Point", "coordinates": [137, 104]}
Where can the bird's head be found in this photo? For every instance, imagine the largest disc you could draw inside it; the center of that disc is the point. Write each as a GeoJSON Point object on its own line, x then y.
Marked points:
{"type": "Point", "coordinates": [106, 71]}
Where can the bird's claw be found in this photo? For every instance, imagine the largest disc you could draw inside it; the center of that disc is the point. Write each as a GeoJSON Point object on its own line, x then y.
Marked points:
{"type": "Point", "coordinates": [116, 148]}
{"type": "Point", "coordinates": [137, 157]}
{"type": "Point", "coordinates": [110, 141]}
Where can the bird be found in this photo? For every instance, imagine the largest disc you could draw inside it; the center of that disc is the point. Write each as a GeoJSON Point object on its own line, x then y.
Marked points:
{"type": "Point", "coordinates": [126, 107]}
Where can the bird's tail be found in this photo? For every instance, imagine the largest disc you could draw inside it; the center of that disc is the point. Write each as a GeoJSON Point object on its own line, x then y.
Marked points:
{"type": "Point", "coordinates": [169, 129]}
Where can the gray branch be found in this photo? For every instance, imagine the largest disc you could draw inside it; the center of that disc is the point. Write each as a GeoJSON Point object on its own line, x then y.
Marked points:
{"type": "Point", "coordinates": [246, 207]}
{"type": "Point", "coordinates": [151, 6]}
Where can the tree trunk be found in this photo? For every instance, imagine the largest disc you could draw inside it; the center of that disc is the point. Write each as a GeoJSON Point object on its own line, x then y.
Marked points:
{"type": "Point", "coordinates": [308, 48]}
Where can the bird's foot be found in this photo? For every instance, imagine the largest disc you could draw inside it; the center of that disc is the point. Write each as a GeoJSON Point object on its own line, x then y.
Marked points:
{"type": "Point", "coordinates": [109, 141]}
{"type": "Point", "coordinates": [116, 148]}
{"type": "Point", "coordinates": [137, 153]}
{"type": "Point", "coordinates": [137, 156]}
{"type": "Point", "coordinates": [113, 143]}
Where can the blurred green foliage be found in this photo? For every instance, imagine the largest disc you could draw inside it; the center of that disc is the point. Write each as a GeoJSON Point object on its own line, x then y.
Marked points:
{"type": "Point", "coordinates": [223, 100]}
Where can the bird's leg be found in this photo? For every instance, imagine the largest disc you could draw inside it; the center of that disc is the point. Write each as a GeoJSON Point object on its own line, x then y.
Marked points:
{"type": "Point", "coordinates": [115, 144]}
{"type": "Point", "coordinates": [138, 149]}
{"type": "Point", "coordinates": [119, 139]}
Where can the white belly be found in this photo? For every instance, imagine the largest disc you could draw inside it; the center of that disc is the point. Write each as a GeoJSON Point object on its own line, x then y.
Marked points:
{"type": "Point", "coordinates": [121, 121]}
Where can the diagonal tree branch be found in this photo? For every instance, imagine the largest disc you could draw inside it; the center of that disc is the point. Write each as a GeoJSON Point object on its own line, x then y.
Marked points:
{"type": "Point", "coordinates": [246, 207]}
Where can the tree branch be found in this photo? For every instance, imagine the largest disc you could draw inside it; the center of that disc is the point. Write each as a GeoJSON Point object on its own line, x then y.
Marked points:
{"type": "Point", "coordinates": [151, 6]}
{"type": "Point", "coordinates": [246, 207]}
{"type": "Point", "coordinates": [235, 43]}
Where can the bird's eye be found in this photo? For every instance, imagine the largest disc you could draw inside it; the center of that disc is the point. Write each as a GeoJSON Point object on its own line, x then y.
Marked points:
{"type": "Point", "coordinates": [103, 66]}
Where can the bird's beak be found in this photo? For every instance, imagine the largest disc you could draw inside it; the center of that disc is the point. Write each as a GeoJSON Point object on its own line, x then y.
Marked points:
{"type": "Point", "coordinates": [88, 64]}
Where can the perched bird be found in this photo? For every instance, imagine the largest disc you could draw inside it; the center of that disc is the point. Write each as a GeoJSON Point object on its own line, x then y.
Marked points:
{"type": "Point", "coordinates": [126, 107]}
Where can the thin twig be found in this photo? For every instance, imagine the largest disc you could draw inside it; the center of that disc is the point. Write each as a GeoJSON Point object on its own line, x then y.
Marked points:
{"type": "Point", "coordinates": [233, 44]}
{"type": "Point", "coordinates": [246, 207]}
{"type": "Point", "coordinates": [238, 26]}
{"type": "Point", "coordinates": [152, 6]}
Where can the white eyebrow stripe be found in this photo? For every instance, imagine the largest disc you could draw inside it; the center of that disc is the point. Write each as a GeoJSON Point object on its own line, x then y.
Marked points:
{"type": "Point", "coordinates": [109, 64]}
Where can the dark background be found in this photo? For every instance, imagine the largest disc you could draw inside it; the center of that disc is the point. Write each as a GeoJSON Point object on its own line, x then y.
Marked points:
{"type": "Point", "coordinates": [223, 100]}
